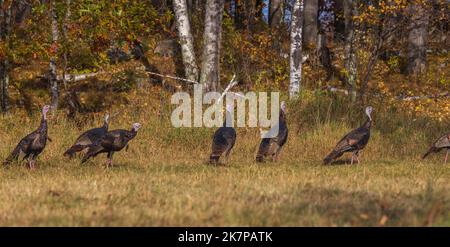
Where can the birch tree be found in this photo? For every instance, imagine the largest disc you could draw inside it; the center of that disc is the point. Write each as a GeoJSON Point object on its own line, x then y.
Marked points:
{"type": "Point", "coordinates": [211, 45]}
{"type": "Point", "coordinates": [66, 40]}
{"type": "Point", "coordinates": [52, 66]}
{"type": "Point", "coordinates": [349, 49]}
{"type": "Point", "coordinates": [185, 39]}
{"type": "Point", "coordinates": [295, 62]}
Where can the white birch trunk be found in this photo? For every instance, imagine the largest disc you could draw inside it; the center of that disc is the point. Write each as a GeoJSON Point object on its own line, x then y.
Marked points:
{"type": "Point", "coordinates": [52, 77]}
{"type": "Point", "coordinates": [349, 49]}
{"type": "Point", "coordinates": [295, 77]}
{"type": "Point", "coordinates": [211, 45]}
{"type": "Point", "coordinates": [186, 40]}
{"type": "Point", "coordinates": [65, 37]}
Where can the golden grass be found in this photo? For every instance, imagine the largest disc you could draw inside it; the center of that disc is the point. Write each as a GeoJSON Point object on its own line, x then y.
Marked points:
{"type": "Point", "coordinates": [163, 180]}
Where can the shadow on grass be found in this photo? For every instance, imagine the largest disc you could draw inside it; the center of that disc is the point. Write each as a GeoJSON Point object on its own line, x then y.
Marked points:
{"type": "Point", "coordinates": [342, 162]}
{"type": "Point", "coordinates": [340, 207]}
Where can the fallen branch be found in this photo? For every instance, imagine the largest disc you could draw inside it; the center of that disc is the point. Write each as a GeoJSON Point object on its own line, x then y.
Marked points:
{"type": "Point", "coordinates": [400, 97]}
{"type": "Point", "coordinates": [75, 78]}
{"type": "Point", "coordinates": [172, 77]}
{"type": "Point", "coordinates": [334, 89]}
{"type": "Point", "coordinates": [435, 96]}
{"type": "Point", "coordinates": [230, 85]}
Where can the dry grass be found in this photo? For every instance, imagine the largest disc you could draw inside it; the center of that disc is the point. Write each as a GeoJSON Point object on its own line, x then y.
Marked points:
{"type": "Point", "coordinates": [163, 180]}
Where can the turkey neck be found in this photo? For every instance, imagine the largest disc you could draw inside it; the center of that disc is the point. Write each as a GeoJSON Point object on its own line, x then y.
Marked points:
{"type": "Point", "coordinates": [105, 125]}
{"type": "Point", "coordinates": [43, 126]}
{"type": "Point", "coordinates": [227, 116]}
{"type": "Point", "coordinates": [368, 123]}
{"type": "Point", "coordinates": [132, 133]}
{"type": "Point", "coordinates": [282, 117]}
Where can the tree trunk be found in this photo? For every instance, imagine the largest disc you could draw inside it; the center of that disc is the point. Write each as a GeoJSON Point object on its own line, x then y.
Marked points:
{"type": "Point", "coordinates": [53, 75]}
{"type": "Point", "coordinates": [327, 19]}
{"type": "Point", "coordinates": [190, 6]}
{"type": "Point", "coordinates": [349, 49]}
{"type": "Point", "coordinates": [64, 31]}
{"type": "Point", "coordinates": [211, 45]}
{"type": "Point", "coordinates": [22, 10]}
{"type": "Point", "coordinates": [275, 11]}
{"type": "Point", "coordinates": [139, 53]}
{"type": "Point", "coordinates": [71, 94]}
{"type": "Point", "coordinates": [238, 18]}
{"type": "Point", "coordinates": [248, 15]}
{"type": "Point", "coordinates": [295, 77]}
{"type": "Point", "coordinates": [186, 40]}
{"type": "Point", "coordinates": [324, 54]}
{"type": "Point", "coordinates": [310, 24]}
{"type": "Point", "coordinates": [417, 39]}
{"type": "Point", "coordinates": [5, 31]}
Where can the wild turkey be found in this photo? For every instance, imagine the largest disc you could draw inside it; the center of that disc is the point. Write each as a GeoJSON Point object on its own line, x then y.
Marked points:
{"type": "Point", "coordinates": [112, 141]}
{"type": "Point", "coordinates": [272, 146]}
{"type": "Point", "coordinates": [88, 138]}
{"type": "Point", "coordinates": [223, 139]}
{"type": "Point", "coordinates": [354, 141]}
{"type": "Point", "coordinates": [32, 144]}
{"type": "Point", "coordinates": [438, 145]}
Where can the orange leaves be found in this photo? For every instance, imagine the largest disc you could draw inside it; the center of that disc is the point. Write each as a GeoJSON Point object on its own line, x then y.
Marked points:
{"type": "Point", "coordinates": [53, 49]}
{"type": "Point", "coordinates": [100, 43]}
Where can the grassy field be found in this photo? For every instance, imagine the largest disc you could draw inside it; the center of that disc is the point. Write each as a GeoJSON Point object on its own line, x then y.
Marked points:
{"type": "Point", "coordinates": [163, 180]}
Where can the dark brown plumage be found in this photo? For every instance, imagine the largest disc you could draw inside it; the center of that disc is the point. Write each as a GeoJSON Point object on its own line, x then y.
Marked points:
{"type": "Point", "coordinates": [272, 146]}
{"type": "Point", "coordinates": [112, 141]}
{"type": "Point", "coordinates": [88, 138]}
{"type": "Point", "coordinates": [32, 144]}
{"type": "Point", "coordinates": [441, 143]}
{"type": "Point", "coordinates": [223, 140]}
{"type": "Point", "coordinates": [353, 142]}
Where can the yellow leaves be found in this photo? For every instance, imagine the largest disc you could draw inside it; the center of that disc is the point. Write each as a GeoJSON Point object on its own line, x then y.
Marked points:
{"type": "Point", "coordinates": [372, 13]}
{"type": "Point", "coordinates": [2, 50]}
{"type": "Point", "coordinates": [437, 109]}
{"type": "Point", "coordinates": [383, 88]}
{"type": "Point", "coordinates": [427, 101]}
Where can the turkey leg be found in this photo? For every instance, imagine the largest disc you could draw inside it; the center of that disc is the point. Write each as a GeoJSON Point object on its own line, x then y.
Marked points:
{"type": "Point", "coordinates": [277, 153]}
{"type": "Point", "coordinates": [353, 156]}
{"type": "Point", "coordinates": [109, 163]}
{"type": "Point", "coordinates": [227, 153]}
{"type": "Point", "coordinates": [446, 156]}
{"type": "Point", "coordinates": [31, 164]}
